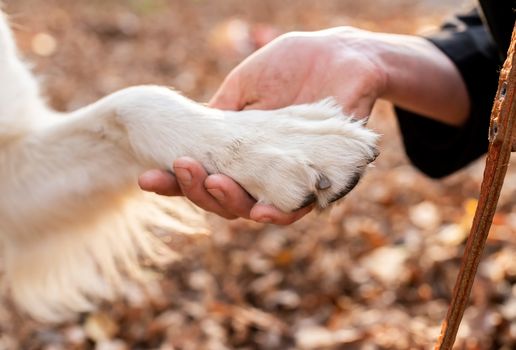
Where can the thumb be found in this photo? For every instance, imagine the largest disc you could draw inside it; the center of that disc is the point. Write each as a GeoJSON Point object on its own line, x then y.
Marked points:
{"type": "Point", "coordinates": [265, 103]}
{"type": "Point", "coordinates": [227, 96]}
{"type": "Point", "coordinates": [361, 109]}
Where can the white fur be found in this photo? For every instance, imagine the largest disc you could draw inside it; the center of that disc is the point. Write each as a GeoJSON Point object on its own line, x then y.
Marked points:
{"type": "Point", "coordinates": [70, 226]}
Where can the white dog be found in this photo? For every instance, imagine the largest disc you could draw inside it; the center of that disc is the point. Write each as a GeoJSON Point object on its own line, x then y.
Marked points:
{"type": "Point", "coordinates": [69, 226]}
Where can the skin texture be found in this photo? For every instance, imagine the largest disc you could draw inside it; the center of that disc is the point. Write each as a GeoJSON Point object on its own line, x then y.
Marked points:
{"type": "Point", "coordinates": [354, 66]}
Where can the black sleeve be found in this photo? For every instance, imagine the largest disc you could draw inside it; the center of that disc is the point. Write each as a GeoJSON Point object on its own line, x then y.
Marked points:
{"type": "Point", "coordinates": [439, 149]}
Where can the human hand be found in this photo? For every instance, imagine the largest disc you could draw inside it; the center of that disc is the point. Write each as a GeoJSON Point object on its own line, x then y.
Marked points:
{"type": "Point", "coordinates": [354, 66]}
{"type": "Point", "coordinates": [304, 67]}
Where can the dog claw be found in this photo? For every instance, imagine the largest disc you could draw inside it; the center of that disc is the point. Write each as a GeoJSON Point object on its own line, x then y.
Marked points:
{"type": "Point", "coordinates": [323, 183]}
{"type": "Point", "coordinates": [351, 185]}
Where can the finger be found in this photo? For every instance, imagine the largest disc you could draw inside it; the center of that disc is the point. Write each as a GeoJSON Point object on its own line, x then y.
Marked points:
{"type": "Point", "coordinates": [259, 104]}
{"type": "Point", "coordinates": [254, 106]}
{"type": "Point", "coordinates": [227, 96]}
{"type": "Point", "coordinates": [362, 111]}
{"type": "Point", "coordinates": [191, 176]}
{"type": "Point", "coordinates": [160, 182]}
{"type": "Point", "coordinates": [269, 214]}
{"type": "Point", "coordinates": [233, 198]}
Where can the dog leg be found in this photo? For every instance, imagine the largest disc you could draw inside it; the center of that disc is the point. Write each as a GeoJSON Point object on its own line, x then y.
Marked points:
{"type": "Point", "coordinates": [71, 221]}
{"type": "Point", "coordinates": [66, 175]}
{"type": "Point", "coordinates": [281, 157]}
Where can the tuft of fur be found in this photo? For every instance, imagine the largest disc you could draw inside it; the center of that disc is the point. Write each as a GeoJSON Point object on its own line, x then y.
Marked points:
{"type": "Point", "coordinates": [55, 275]}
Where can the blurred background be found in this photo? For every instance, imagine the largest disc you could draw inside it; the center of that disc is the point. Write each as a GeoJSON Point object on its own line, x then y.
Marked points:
{"type": "Point", "coordinates": [375, 272]}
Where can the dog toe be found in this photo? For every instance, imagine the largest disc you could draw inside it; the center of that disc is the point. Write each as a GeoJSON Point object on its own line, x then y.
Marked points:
{"type": "Point", "coordinates": [323, 182]}
{"type": "Point", "coordinates": [350, 185]}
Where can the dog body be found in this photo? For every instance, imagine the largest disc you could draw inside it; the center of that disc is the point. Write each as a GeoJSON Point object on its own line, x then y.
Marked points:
{"type": "Point", "coordinates": [70, 212]}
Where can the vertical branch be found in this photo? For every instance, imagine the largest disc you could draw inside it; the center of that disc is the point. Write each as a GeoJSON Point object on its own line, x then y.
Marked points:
{"type": "Point", "coordinates": [502, 140]}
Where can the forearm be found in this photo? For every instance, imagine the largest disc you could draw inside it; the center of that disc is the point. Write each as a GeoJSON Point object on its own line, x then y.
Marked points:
{"type": "Point", "coordinates": [417, 76]}
{"type": "Point", "coordinates": [424, 80]}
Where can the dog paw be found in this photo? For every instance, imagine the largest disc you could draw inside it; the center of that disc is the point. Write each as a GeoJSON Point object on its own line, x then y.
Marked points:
{"type": "Point", "coordinates": [298, 155]}
{"type": "Point", "coordinates": [290, 157]}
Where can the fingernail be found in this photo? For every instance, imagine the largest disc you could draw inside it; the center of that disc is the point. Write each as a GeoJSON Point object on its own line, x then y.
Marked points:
{"type": "Point", "coordinates": [218, 194]}
{"type": "Point", "coordinates": [265, 220]}
{"type": "Point", "coordinates": [184, 176]}
{"type": "Point", "coordinates": [146, 180]}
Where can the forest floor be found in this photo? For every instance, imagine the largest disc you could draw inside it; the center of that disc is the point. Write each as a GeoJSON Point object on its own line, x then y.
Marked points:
{"type": "Point", "coordinates": [374, 272]}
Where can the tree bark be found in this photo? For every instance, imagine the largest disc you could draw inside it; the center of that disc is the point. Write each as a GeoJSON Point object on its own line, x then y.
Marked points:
{"type": "Point", "coordinates": [502, 140]}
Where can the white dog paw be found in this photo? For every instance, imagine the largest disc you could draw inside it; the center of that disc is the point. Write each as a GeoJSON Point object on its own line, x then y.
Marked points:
{"type": "Point", "coordinates": [289, 158]}
{"type": "Point", "coordinates": [298, 155]}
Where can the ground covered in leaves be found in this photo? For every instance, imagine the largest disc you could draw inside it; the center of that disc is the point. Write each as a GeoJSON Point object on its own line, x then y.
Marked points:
{"type": "Point", "coordinates": [375, 272]}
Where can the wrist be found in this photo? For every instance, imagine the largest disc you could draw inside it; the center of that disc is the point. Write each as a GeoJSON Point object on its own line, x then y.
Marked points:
{"type": "Point", "coordinates": [420, 78]}
{"type": "Point", "coordinates": [352, 70]}
{"type": "Point", "coordinates": [368, 50]}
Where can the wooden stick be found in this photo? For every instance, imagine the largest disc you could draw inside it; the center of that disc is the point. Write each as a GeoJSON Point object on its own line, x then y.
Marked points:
{"type": "Point", "coordinates": [502, 140]}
